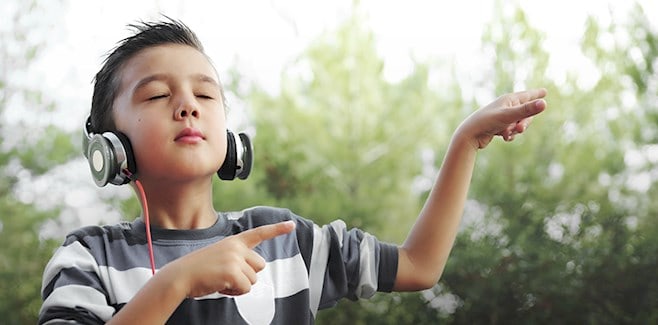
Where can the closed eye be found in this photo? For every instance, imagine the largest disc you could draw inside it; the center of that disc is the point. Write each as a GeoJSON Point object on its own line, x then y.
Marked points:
{"type": "Point", "coordinates": [158, 97]}
{"type": "Point", "coordinates": [205, 96]}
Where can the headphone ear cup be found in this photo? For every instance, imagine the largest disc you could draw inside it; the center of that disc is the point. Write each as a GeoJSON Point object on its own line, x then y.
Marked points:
{"type": "Point", "coordinates": [100, 158]}
{"type": "Point", "coordinates": [227, 170]}
{"type": "Point", "coordinates": [130, 164]}
{"type": "Point", "coordinates": [247, 156]}
{"type": "Point", "coordinates": [110, 158]}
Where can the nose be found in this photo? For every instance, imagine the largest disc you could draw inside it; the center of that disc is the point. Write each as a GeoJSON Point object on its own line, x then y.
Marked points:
{"type": "Point", "coordinates": [186, 110]}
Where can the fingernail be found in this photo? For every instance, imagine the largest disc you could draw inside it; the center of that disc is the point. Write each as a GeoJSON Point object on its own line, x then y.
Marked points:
{"type": "Point", "coordinates": [540, 104]}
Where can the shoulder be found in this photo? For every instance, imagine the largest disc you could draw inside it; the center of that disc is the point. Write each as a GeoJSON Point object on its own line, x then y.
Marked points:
{"type": "Point", "coordinates": [264, 212]}
{"type": "Point", "coordinates": [264, 215]}
{"type": "Point", "coordinates": [95, 233]}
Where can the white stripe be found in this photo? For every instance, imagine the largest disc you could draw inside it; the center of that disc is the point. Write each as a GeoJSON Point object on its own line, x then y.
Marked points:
{"type": "Point", "coordinates": [339, 227]}
{"type": "Point", "coordinates": [287, 276]}
{"type": "Point", "coordinates": [72, 296]}
{"type": "Point", "coordinates": [319, 258]}
{"type": "Point", "coordinates": [234, 215]}
{"type": "Point", "coordinates": [123, 285]}
{"type": "Point", "coordinates": [59, 321]}
{"type": "Point", "coordinates": [74, 255]}
{"type": "Point", "coordinates": [367, 286]}
{"type": "Point", "coordinates": [367, 268]}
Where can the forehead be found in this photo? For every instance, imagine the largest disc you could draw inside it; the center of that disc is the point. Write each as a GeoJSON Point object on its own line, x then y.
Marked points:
{"type": "Point", "coordinates": [173, 60]}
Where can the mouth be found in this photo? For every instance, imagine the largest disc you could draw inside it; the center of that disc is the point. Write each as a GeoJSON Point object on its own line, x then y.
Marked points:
{"type": "Point", "coordinates": [190, 135]}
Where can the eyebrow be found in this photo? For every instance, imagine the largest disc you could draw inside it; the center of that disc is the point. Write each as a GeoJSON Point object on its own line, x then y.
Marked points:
{"type": "Point", "coordinates": [205, 78]}
{"type": "Point", "coordinates": [162, 77]}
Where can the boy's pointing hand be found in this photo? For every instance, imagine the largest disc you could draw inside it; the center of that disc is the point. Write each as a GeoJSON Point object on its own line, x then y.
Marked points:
{"type": "Point", "coordinates": [228, 266]}
{"type": "Point", "coordinates": [255, 236]}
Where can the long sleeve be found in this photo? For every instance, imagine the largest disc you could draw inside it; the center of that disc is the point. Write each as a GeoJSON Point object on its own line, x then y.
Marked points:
{"type": "Point", "coordinates": [72, 290]}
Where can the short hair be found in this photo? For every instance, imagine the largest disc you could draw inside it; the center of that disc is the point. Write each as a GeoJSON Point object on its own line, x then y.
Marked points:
{"type": "Point", "coordinates": [108, 78]}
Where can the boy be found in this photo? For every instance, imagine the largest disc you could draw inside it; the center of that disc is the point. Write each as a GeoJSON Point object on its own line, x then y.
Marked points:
{"type": "Point", "coordinates": [160, 103]}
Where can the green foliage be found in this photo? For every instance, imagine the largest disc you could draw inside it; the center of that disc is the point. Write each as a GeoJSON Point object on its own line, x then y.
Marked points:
{"type": "Point", "coordinates": [391, 308]}
{"type": "Point", "coordinates": [22, 259]}
{"type": "Point", "coordinates": [555, 231]}
{"type": "Point", "coordinates": [52, 148]}
{"type": "Point", "coordinates": [563, 250]}
{"type": "Point", "coordinates": [554, 240]}
{"type": "Point", "coordinates": [339, 141]}
{"type": "Point", "coordinates": [23, 253]}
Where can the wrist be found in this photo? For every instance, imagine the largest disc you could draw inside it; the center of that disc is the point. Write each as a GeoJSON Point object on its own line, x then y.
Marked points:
{"type": "Point", "coordinates": [174, 280]}
{"type": "Point", "coordinates": [462, 138]}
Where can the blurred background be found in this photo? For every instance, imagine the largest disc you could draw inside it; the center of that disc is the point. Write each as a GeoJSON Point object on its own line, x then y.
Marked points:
{"type": "Point", "coordinates": [351, 105]}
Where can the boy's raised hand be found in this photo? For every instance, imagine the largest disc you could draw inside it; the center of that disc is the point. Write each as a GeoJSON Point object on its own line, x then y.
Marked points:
{"type": "Point", "coordinates": [507, 116]}
{"type": "Point", "coordinates": [230, 265]}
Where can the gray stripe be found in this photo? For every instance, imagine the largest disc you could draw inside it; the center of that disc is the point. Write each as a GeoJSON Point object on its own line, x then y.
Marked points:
{"type": "Point", "coordinates": [129, 247]}
{"type": "Point", "coordinates": [71, 256]}
{"type": "Point", "coordinates": [88, 298]}
{"type": "Point", "coordinates": [124, 265]}
{"type": "Point", "coordinates": [288, 275]}
{"type": "Point", "coordinates": [70, 276]}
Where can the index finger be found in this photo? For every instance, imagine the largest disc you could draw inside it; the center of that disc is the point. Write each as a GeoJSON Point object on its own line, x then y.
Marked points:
{"type": "Point", "coordinates": [255, 236]}
{"type": "Point", "coordinates": [530, 95]}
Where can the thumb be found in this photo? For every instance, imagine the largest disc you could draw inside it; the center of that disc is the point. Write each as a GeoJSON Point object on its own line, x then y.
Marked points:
{"type": "Point", "coordinates": [253, 237]}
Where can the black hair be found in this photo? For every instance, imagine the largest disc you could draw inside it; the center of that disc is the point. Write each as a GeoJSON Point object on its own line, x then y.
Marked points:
{"type": "Point", "coordinates": [108, 78]}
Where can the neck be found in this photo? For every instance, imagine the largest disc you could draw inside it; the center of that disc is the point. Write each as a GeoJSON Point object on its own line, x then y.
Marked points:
{"type": "Point", "coordinates": [181, 205]}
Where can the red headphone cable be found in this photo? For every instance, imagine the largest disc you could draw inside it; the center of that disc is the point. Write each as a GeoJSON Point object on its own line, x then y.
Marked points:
{"type": "Point", "coordinates": [147, 222]}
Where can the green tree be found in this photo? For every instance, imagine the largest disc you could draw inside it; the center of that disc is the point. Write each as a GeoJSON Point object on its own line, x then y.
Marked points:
{"type": "Point", "coordinates": [553, 228]}
{"type": "Point", "coordinates": [340, 141]}
{"type": "Point", "coordinates": [24, 150]}
{"type": "Point", "coordinates": [557, 230]}
{"type": "Point", "coordinates": [562, 239]}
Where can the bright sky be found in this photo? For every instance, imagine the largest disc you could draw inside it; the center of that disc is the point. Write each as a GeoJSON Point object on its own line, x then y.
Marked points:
{"type": "Point", "coordinates": [261, 37]}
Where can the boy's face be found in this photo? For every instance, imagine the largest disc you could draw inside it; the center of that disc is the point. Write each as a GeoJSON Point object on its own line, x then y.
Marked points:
{"type": "Point", "coordinates": [170, 106]}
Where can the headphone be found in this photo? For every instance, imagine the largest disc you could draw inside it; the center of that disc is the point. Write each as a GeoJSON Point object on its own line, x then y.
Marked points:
{"type": "Point", "coordinates": [111, 157]}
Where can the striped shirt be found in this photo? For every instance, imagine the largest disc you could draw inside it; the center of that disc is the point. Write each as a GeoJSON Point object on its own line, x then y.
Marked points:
{"type": "Point", "coordinates": [99, 269]}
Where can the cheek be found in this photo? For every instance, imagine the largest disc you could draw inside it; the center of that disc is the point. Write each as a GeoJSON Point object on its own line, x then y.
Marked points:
{"type": "Point", "coordinates": [217, 138]}
{"type": "Point", "coordinates": [219, 144]}
{"type": "Point", "coordinates": [146, 142]}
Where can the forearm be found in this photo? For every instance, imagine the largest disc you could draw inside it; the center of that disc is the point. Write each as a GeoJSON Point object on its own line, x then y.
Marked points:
{"type": "Point", "coordinates": [155, 302]}
{"type": "Point", "coordinates": [424, 253]}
